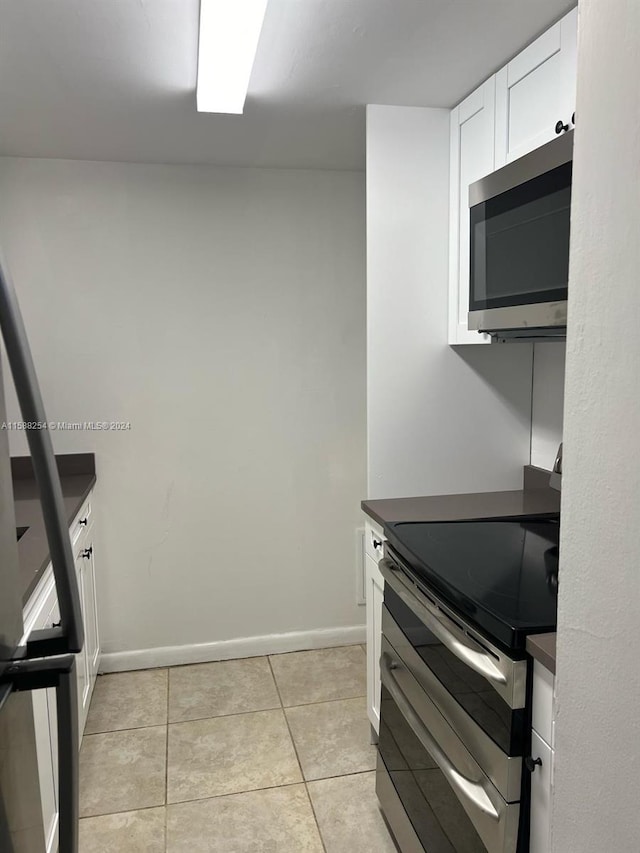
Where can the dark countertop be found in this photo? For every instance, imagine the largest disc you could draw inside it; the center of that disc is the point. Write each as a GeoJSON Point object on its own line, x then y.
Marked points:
{"type": "Point", "coordinates": [77, 478]}
{"type": "Point", "coordinates": [463, 507]}
{"type": "Point", "coordinates": [542, 647]}
{"type": "Point", "coordinates": [535, 498]}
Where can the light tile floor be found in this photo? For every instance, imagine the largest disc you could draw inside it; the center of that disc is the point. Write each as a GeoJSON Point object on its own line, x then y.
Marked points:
{"type": "Point", "coordinates": [260, 755]}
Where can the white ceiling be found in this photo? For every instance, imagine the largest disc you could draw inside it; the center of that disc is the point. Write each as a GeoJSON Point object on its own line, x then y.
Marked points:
{"type": "Point", "coordinates": [115, 79]}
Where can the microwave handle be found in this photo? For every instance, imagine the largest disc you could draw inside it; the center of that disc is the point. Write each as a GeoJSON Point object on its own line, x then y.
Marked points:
{"type": "Point", "coordinates": [69, 637]}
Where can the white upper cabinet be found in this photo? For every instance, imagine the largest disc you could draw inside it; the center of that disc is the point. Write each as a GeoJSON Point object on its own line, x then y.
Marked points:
{"type": "Point", "coordinates": [513, 113]}
{"type": "Point", "coordinates": [535, 91]}
{"type": "Point", "coordinates": [472, 157]}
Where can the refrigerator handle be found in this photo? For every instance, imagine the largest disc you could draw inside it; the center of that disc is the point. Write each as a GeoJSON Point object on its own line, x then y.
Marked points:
{"type": "Point", "coordinates": [58, 672]}
{"type": "Point", "coordinates": [69, 637]}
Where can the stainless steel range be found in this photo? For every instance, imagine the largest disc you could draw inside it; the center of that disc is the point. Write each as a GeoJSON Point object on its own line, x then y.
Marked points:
{"type": "Point", "coordinates": [460, 599]}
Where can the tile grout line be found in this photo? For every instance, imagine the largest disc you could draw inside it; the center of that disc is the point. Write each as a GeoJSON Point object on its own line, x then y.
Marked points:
{"type": "Point", "coordinates": [169, 666]}
{"type": "Point", "coordinates": [295, 749]}
{"type": "Point", "coordinates": [278, 707]}
{"type": "Point", "coordinates": [122, 811]}
{"type": "Point", "coordinates": [315, 816]}
{"type": "Point", "coordinates": [326, 701]}
{"type": "Point", "coordinates": [230, 794]}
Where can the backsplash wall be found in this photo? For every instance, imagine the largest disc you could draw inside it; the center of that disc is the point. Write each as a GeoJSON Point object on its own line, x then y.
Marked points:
{"type": "Point", "coordinates": [547, 402]}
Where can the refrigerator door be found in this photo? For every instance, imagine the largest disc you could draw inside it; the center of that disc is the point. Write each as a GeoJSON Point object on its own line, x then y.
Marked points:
{"type": "Point", "coordinates": [69, 636]}
{"type": "Point", "coordinates": [21, 820]}
{"type": "Point", "coordinates": [43, 659]}
{"type": "Point", "coordinates": [11, 594]}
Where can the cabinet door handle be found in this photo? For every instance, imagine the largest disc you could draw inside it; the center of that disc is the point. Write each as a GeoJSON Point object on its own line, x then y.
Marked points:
{"type": "Point", "coordinates": [83, 521]}
{"type": "Point", "coordinates": [87, 552]}
{"type": "Point", "coordinates": [561, 127]}
{"type": "Point", "coordinates": [376, 543]}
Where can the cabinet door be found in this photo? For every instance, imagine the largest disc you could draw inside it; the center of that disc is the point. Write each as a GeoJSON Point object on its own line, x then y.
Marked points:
{"type": "Point", "coordinates": [92, 639]}
{"type": "Point", "coordinates": [471, 158]}
{"type": "Point", "coordinates": [541, 790]}
{"type": "Point", "coordinates": [82, 658]}
{"type": "Point", "coordinates": [535, 91]}
{"type": "Point", "coordinates": [375, 592]}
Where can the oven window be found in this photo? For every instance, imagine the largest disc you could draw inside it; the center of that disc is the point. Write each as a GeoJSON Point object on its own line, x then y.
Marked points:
{"type": "Point", "coordinates": [520, 243]}
{"type": "Point", "coordinates": [504, 725]}
{"type": "Point", "coordinates": [438, 818]}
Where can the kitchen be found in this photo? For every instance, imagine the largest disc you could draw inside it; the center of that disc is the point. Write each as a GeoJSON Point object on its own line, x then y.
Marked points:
{"type": "Point", "coordinates": [215, 298]}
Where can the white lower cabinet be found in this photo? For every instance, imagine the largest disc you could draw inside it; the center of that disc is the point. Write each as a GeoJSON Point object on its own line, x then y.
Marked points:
{"type": "Point", "coordinates": [88, 659]}
{"type": "Point", "coordinates": [375, 592]}
{"type": "Point", "coordinates": [541, 792]}
{"type": "Point", "coordinates": [92, 637]}
{"type": "Point", "coordinates": [374, 543]}
{"type": "Point", "coordinates": [42, 611]}
{"type": "Point", "coordinates": [542, 742]}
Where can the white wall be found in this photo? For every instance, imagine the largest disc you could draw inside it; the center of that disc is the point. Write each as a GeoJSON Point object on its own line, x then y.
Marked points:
{"type": "Point", "coordinates": [547, 402]}
{"type": "Point", "coordinates": [222, 312]}
{"type": "Point", "coordinates": [596, 804]}
{"type": "Point", "coordinates": [439, 420]}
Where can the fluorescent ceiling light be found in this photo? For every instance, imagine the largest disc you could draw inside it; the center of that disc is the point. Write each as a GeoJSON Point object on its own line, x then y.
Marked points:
{"type": "Point", "coordinates": [229, 33]}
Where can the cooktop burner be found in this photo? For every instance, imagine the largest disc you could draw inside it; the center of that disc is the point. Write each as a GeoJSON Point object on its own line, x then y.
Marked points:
{"type": "Point", "coordinates": [500, 573]}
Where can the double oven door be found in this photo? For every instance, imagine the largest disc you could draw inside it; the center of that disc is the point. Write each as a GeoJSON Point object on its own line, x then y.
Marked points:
{"type": "Point", "coordinates": [453, 728]}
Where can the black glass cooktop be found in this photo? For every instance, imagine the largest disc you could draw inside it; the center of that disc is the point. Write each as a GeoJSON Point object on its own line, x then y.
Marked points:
{"type": "Point", "coordinates": [500, 574]}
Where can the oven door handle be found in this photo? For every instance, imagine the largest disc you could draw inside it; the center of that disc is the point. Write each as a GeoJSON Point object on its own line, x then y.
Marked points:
{"type": "Point", "coordinates": [468, 790]}
{"type": "Point", "coordinates": [479, 661]}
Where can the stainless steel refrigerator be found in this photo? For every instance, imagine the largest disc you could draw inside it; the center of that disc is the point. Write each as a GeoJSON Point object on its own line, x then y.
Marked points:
{"type": "Point", "coordinates": [45, 658]}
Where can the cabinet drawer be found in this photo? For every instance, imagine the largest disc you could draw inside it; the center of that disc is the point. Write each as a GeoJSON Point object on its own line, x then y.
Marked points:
{"type": "Point", "coordinates": [374, 540]}
{"type": "Point", "coordinates": [80, 523]}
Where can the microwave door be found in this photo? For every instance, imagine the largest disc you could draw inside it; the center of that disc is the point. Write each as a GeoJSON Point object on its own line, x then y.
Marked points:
{"type": "Point", "coordinates": [519, 242]}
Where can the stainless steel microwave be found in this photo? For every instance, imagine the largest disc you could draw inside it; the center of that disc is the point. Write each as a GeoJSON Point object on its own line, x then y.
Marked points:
{"type": "Point", "coordinates": [519, 258]}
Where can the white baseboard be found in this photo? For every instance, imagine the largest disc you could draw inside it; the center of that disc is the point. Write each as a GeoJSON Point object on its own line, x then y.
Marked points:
{"type": "Point", "coordinates": [244, 647]}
